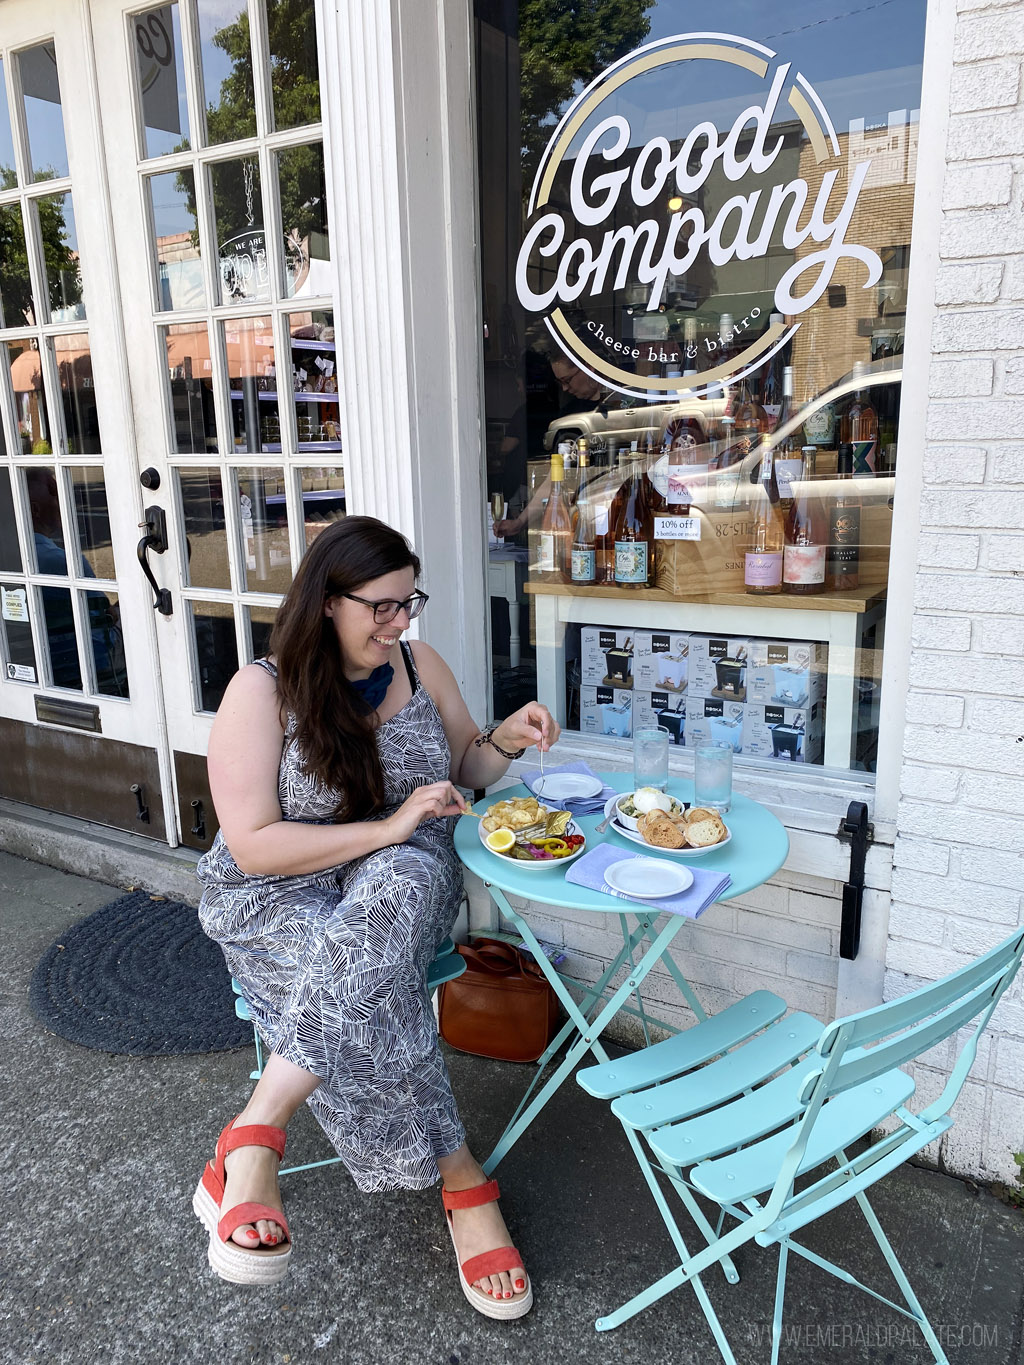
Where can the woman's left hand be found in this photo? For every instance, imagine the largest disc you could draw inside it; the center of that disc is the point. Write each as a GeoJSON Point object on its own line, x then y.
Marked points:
{"type": "Point", "coordinates": [533, 724]}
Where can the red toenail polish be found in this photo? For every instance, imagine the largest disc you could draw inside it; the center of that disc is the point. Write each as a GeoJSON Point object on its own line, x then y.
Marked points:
{"type": "Point", "coordinates": [520, 1284]}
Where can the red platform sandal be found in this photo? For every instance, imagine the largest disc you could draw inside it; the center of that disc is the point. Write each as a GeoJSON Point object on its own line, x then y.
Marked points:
{"type": "Point", "coordinates": [490, 1262]}
{"type": "Point", "coordinates": [260, 1265]}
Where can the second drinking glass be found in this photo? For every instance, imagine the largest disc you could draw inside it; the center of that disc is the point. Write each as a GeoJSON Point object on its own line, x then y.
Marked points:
{"type": "Point", "coordinates": [650, 757]}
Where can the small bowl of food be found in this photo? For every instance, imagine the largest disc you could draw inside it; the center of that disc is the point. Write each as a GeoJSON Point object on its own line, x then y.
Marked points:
{"type": "Point", "coordinates": [631, 806]}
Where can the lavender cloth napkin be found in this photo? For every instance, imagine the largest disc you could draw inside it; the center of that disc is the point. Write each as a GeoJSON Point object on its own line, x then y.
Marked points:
{"type": "Point", "coordinates": [706, 889]}
{"type": "Point", "coordinates": [588, 805]}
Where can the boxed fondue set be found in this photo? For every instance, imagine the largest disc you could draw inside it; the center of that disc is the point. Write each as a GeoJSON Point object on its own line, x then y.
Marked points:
{"type": "Point", "coordinates": [606, 711]}
{"type": "Point", "coordinates": [606, 656]}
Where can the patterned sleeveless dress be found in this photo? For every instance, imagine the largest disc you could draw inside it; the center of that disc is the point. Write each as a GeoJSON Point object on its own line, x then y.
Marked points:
{"type": "Point", "coordinates": [333, 964]}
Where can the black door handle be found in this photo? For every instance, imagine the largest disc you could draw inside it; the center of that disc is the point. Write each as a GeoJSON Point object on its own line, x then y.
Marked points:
{"type": "Point", "coordinates": [155, 539]}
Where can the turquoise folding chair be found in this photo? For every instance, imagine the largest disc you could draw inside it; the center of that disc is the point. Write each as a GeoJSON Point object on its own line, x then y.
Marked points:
{"type": "Point", "coordinates": [446, 966]}
{"type": "Point", "coordinates": [747, 1101]}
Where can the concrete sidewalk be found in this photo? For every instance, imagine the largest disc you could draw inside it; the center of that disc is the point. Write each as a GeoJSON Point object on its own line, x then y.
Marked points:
{"type": "Point", "coordinates": [105, 1261]}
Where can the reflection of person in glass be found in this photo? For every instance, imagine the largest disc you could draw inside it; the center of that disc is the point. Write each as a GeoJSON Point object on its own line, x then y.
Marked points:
{"type": "Point", "coordinates": [104, 620]}
{"type": "Point", "coordinates": [581, 393]}
{"type": "Point", "coordinates": [330, 886]}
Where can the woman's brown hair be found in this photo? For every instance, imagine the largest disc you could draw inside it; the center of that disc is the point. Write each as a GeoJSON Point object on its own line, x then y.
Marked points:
{"type": "Point", "coordinates": [333, 729]}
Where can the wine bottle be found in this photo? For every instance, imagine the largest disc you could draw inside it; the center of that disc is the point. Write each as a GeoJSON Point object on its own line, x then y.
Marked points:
{"type": "Point", "coordinates": [725, 454]}
{"type": "Point", "coordinates": [788, 454]}
{"type": "Point", "coordinates": [555, 541]}
{"type": "Point", "coordinates": [627, 455]}
{"type": "Point", "coordinates": [820, 425]}
{"type": "Point", "coordinates": [687, 472]}
{"type": "Point", "coordinates": [843, 561]}
{"type": "Point", "coordinates": [722, 353]}
{"type": "Point", "coordinates": [762, 563]}
{"type": "Point", "coordinates": [583, 563]}
{"type": "Point", "coordinates": [803, 556]}
{"type": "Point", "coordinates": [859, 428]}
{"type": "Point", "coordinates": [771, 393]}
{"type": "Point", "coordinates": [633, 533]}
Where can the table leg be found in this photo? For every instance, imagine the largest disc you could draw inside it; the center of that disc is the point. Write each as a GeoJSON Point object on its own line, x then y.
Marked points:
{"type": "Point", "coordinates": [589, 1032]}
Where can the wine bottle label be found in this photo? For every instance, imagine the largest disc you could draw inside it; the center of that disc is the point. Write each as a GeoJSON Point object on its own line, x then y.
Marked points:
{"type": "Point", "coordinates": [631, 561]}
{"type": "Point", "coordinates": [787, 470]}
{"type": "Point", "coordinates": [820, 427]}
{"type": "Point", "coordinates": [803, 564]}
{"type": "Point", "coordinates": [584, 566]}
{"type": "Point", "coordinates": [545, 553]}
{"type": "Point", "coordinates": [762, 570]}
{"type": "Point", "coordinates": [864, 453]}
{"type": "Point", "coordinates": [686, 483]}
{"type": "Point", "coordinates": [844, 537]}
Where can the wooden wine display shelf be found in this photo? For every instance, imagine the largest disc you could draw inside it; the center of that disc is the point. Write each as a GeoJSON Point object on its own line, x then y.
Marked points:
{"type": "Point", "coordinates": [836, 619]}
{"type": "Point", "coordinates": [857, 600]}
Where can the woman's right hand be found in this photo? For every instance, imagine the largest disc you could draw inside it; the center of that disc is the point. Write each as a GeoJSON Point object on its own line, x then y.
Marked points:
{"type": "Point", "coordinates": [426, 803]}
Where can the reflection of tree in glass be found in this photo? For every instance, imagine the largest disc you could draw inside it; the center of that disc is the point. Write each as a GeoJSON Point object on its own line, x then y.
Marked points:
{"type": "Point", "coordinates": [62, 273]}
{"type": "Point", "coordinates": [296, 86]}
{"type": "Point", "coordinates": [563, 44]}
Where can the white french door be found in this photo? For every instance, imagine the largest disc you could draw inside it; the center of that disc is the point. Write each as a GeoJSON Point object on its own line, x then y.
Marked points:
{"type": "Point", "coordinates": [80, 715]}
{"type": "Point", "coordinates": [215, 162]}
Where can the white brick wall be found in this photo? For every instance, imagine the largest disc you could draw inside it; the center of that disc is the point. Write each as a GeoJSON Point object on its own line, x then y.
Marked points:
{"type": "Point", "coordinates": [958, 873]}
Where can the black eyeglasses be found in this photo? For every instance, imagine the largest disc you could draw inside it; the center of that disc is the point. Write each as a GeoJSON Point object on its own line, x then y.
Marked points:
{"type": "Point", "coordinates": [386, 611]}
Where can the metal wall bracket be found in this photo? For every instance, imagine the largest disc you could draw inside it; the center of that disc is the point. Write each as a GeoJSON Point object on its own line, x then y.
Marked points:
{"type": "Point", "coordinates": [199, 828]}
{"type": "Point", "coordinates": [856, 830]}
{"type": "Point", "coordinates": [142, 810]}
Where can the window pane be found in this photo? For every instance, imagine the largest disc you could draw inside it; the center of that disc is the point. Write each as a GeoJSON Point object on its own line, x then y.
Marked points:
{"type": "Point", "coordinates": [213, 627]}
{"type": "Point", "coordinates": [8, 175]}
{"type": "Point", "coordinates": [315, 381]}
{"type": "Point", "coordinates": [202, 506]}
{"type": "Point", "coordinates": [227, 70]}
{"type": "Point", "coordinates": [304, 219]}
{"type": "Point", "coordinates": [261, 623]}
{"type": "Point", "coordinates": [252, 376]}
{"type": "Point", "coordinates": [19, 651]}
{"type": "Point", "coordinates": [16, 309]}
{"type": "Point", "coordinates": [78, 396]}
{"type": "Point", "coordinates": [10, 550]}
{"type": "Point", "coordinates": [263, 528]}
{"type": "Point", "coordinates": [107, 643]}
{"type": "Point", "coordinates": [59, 620]}
{"type": "Point", "coordinates": [294, 75]}
{"type": "Point", "coordinates": [160, 70]}
{"type": "Point", "coordinates": [30, 407]}
{"type": "Point", "coordinates": [190, 388]}
{"type": "Point", "coordinates": [179, 269]}
{"type": "Point", "coordinates": [323, 498]}
{"type": "Point", "coordinates": [44, 118]}
{"type": "Point", "coordinates": [60, 253]}
{"type": "Point", "coordinates": [44, 515]}
{"type": "Point", "coordinates": [241, 241]}
{"type": "Point", "coordinates": [92, 519]}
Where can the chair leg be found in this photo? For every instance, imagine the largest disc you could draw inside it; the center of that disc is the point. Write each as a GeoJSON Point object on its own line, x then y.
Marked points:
{"type": "Point", "coordinates": [899, 1275]}
{"type": "Point", "coordinates": [780, 1294]}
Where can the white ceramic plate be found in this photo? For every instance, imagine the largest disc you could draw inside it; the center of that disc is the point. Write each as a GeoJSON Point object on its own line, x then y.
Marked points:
{"type": "Point", "coordinates": [635, 837]}
{"type": "Point", "coordinates": [647, 878]}
{"type": "Point", "coordinates": [630, 821]}
{"type": "Point", "coordinates": [567, 786]}
{"type": "Point", "coordinates": [537, 864]}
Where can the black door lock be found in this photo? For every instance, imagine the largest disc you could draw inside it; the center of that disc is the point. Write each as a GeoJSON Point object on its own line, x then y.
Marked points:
{"type": "Point", "coordinates": [155, 539]}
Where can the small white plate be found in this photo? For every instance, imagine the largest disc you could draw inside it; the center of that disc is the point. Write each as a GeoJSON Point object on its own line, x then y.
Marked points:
{"type": "Point", "coordinates": [567, 786]}
{"type": "Point", "coordinates": [635, 837]}
{"type": "Point", "coordinates": [647, 878]}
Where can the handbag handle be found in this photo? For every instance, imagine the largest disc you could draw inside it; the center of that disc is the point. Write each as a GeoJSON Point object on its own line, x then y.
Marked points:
{"type": "Point", "coordinates": [497, 958]}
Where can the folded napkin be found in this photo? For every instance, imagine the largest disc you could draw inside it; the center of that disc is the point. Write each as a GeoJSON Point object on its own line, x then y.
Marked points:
{"type": "Point", "coordinates": [706, 888]}
{"type": "Point", "coordinates": [588, 805]}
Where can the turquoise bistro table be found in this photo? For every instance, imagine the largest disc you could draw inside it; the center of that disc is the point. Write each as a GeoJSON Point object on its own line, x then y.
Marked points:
{"type": "Point", "coordinates": [758, 848]}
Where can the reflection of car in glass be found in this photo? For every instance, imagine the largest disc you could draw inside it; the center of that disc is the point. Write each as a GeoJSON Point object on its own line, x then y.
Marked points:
{"type": "Point", "coordinates": [609, 425]}
{"type": "Point", "coordinates": [735, 488]}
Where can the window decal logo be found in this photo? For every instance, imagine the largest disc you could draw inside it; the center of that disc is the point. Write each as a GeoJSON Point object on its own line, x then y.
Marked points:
{"type": "Point", "coordinates": [590, 248]}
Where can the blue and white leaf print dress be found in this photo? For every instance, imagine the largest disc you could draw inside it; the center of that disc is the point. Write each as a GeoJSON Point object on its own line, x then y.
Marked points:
{"type": "Point", "coordinates": [334, 963]}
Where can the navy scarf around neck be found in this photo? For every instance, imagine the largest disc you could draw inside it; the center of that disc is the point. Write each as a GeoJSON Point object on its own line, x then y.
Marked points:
{"type": "Point", "coordinates": [373, 689]}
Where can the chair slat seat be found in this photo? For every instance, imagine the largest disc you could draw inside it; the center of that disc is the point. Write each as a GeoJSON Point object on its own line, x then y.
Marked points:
{"type": "Point", "coordinates": [693, 1047]}
{"type": "Point", "coordinates": [721, 1080]}
{"type": "Point", "coordinates": [844, 1119]}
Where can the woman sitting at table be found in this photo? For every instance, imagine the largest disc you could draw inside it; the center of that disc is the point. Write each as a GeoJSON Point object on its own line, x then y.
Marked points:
{"type": "Point", "coordinates": [332, 882]}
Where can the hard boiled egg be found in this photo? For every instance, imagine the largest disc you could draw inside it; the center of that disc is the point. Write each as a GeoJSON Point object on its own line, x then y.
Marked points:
{"type": "Point", "coordinates": [646, 799]}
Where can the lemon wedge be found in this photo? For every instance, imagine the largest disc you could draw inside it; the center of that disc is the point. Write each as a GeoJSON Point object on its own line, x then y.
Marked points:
{"type": "Point", "coordinates": [500, 840]}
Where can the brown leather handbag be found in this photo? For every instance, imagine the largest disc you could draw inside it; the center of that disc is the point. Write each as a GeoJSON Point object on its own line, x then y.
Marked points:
{"type": "Point", "coordinates": [501, 1006]}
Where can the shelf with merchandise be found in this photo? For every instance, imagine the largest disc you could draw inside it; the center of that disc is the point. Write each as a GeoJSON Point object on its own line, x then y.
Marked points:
{"type": "Point", "coordinates": [300, 396]}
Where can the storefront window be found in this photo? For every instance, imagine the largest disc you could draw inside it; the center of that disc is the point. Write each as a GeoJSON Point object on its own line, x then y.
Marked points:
{"type": "Point", "coordinates": [160, 73]}
{"type": "Point", "coordinates": [695, 255]}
